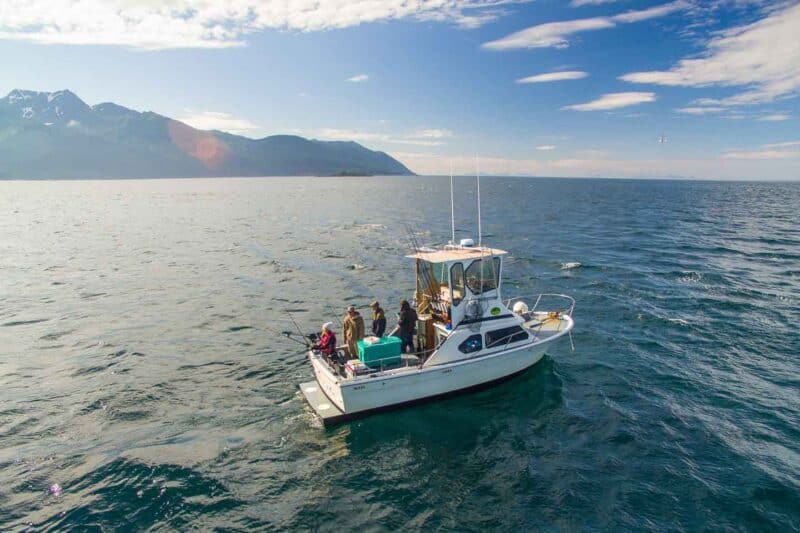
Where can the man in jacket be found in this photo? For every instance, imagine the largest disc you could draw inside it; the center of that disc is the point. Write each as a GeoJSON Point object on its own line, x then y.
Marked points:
{"type": "Point", "coordinates": [378, 319]}
{"type": "Point", "coordinates": [407, 321]}
{"type": "Point", "coordinates": [353, 327]}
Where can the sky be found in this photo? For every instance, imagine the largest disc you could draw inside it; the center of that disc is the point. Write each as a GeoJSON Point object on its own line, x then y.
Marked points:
{"type": "Point", "coordinates": [541, 87]}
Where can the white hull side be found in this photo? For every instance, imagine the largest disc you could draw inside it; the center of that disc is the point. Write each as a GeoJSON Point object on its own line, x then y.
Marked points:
{"type": "Point", "coordinates": [403, 387]}
{"type": "Point", "coordinates": [326, 380]}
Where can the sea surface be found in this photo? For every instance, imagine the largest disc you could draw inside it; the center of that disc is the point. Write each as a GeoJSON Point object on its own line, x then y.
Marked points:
{"type": "Point", "coordinates": [142, 386]}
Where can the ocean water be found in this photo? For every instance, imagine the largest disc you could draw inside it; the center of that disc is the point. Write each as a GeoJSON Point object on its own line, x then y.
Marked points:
{"type": "Point", "coordinates": [142, 387]}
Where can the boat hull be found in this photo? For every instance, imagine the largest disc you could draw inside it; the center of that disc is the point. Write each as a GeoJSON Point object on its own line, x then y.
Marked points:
{"type": "Point", "coordinates": [331, 415]}
{"type": "Point", "coordinates": [391, 391]}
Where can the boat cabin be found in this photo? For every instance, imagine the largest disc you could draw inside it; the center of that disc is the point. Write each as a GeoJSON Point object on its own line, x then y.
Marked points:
{"type": "Point", "coordinates": [459, 283]}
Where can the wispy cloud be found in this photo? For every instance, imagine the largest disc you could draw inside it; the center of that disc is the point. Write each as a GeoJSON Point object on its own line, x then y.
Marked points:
{"type": "Point", "coordinates": [546, 147]}
{"type": "Point", "coordinates": [767, 151]}
{"type": "Point", "coordinates": [763, 57]}
{"type": "Point", "coordinates": [358, 78]}
{"type": "Point", "coordinates": [340, 134]}
{"type": "Point", "coordinates": [775, 117]}
{"type": "Point", "coordinates": [762, 154]}
{"type": "Point", "coordinates": [581, 3]}
{"type": "Point", "coordinates": [213, 120]}
{"type": "Point", "coordinates": [432, 133]}
{"type": "Point", "coordinates": [554, 76]}
{"type": "Point", "coordinates": [556, 34]}
{"type": "Point", "coordinates": [153, 25]}
{"type": "Point", "coordinates": [613, 101]}
{"type": "Point", "coordinates": [420, 137]}
{"type": "Point", "coordinates": [700, 110]}
{"type": "Point", "coordinates": [650, 13]}
{"type": "Point", "coordinates": [603, 166]}
{"type": "Point", "coordinates": [783, 144]}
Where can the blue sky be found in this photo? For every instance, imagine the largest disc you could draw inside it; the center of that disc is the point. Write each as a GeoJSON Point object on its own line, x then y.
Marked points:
{"type": "Point", "coordinates": [437, 82]}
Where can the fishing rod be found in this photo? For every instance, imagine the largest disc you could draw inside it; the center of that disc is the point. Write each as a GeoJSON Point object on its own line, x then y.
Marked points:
{"type": "Point", "coordinates": [332, 311]}
{"type": "Point", "coordinates": [291, 335]}
{"type": "Point", "coordinates": [299, 331]}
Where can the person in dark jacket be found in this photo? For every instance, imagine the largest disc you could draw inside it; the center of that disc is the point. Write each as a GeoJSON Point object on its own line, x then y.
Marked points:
{"type": "Point", "coordinates": [378, 319]}
{"type": "Point", "coordinates": [407, 322]}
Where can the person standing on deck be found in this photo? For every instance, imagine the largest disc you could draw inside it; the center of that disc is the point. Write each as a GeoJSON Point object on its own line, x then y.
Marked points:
{"type": "Point", "coordinates": [407, 322]}
{"type": "Point", "coordinates": [353, 327]}
{"type": "Point", "coordinates": [378, 319]}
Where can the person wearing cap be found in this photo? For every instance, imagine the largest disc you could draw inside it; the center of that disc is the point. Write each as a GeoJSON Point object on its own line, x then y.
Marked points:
{"type": "Point", "coordinates": [353, 327]}
{"type": "Point", "coordinates": [378, 319]}
{"type": "Point", "coordinates": [327, 340]}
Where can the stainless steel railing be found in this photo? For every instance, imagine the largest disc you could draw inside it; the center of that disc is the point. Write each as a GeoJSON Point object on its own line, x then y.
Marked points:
{"type": "Point", "coordinates": [566, 309]}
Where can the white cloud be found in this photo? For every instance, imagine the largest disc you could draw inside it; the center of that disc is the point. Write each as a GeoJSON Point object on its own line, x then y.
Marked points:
{"type": "Point", "coordinates": [552, 34]}
{"type": "Point", "coordinates": [213, 120]}
{"type": "Point", "coordinates": [767, 151]}
{"type": "Point", "coordinates": [613, 101]}
{"type": "Point", "coordinates": [761, 154]}
{"type": "Point", "coordinates": [555, 34]}
{"type": "Point", "coordinates": [581, 3]}
{"type": "Point", "coordinates": [700, 110]}
{"type": "Point", "coordinates": [152, 25]}
{"type": "Point", "coordinates": [775, 117]}
{"type": "Point", "coordinates": [650, 13]}
{"type": "Point", "coordinates": [422, 137]}
{"type": "Point", "coordinates": [432, 134]}
{"type": "Point", "coordinates": [554, 76]}
{"type": "Point", "coordinates": [783, 144]}
{"type": "Point", "coordinates": [358, 78]}
{"type": "Point", "coordinates": [546, 147]}
{"type": "Point", "coordinates": [336, 134]}
{"type": "Point", "coordinates": [763, 57]}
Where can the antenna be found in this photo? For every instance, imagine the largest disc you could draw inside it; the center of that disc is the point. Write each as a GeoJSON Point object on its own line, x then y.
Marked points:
{"type": "Point", "coordinates": [478, 177]}
{"type": "Point", "coordinates": [452, 208]}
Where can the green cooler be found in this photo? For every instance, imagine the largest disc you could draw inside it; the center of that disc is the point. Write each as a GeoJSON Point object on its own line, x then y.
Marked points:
{"type": "Point", "coordinates": [385, 352]}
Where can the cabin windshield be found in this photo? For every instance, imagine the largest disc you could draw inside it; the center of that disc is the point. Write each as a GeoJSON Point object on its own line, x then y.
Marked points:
{"type": "Point", "coordinates": [457, 274]}
{"type": "Point", "coordinates": [483, 275]}
{"type": "Point", "coordinates": [440, 273]}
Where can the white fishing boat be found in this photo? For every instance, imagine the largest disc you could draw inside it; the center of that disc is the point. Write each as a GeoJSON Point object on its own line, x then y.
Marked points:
{"type": "Point", "coordinates": [467, 338]}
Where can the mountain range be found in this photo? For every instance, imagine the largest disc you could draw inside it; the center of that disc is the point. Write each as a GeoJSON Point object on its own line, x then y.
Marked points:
{"type": "Point", "coordinates": [57, 135]}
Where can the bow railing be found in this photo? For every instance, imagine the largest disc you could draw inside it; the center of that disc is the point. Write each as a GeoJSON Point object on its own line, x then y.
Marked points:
{"type": "Point", "coordinates": [567, 307]}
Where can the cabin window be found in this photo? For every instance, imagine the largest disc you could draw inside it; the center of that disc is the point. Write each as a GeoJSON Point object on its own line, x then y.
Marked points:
{"type": "Point", "coordinates": [457, 279]}
{"type": "Point", "coordinates": [432, 280]}
{"type": "Point", "coordinates": [501, 337]}
{"type": "Point", "coordinates": [473, 343]}
{"type": "Point", "coordinates": [483, 275]}
{"type": "Point", "coordinates": [440, 273]}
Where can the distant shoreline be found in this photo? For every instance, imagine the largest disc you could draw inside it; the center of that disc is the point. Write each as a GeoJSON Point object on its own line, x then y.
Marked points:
{"type": "Point", "coordinates": [437, 176]}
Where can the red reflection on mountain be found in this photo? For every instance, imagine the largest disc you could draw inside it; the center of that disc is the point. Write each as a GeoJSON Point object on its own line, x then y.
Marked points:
{"type": "Point", "coordinates": [202, 145]}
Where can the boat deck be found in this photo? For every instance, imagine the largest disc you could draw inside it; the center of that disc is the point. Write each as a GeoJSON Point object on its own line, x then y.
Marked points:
{"type": "Point", "coordinates": [322, 406]}
{"type": "Point", "coordinates": [542, 326]}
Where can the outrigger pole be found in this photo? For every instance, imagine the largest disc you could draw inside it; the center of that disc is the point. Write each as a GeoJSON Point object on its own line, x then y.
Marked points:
{"type": "Point", "coordinates": [478, 177]}
{"type": "Point", "coordinates": [452, 208]}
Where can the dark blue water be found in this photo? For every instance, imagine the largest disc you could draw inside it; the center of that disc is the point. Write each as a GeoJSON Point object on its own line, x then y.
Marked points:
{"type": "Point", "coordinates": [138, 373]}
